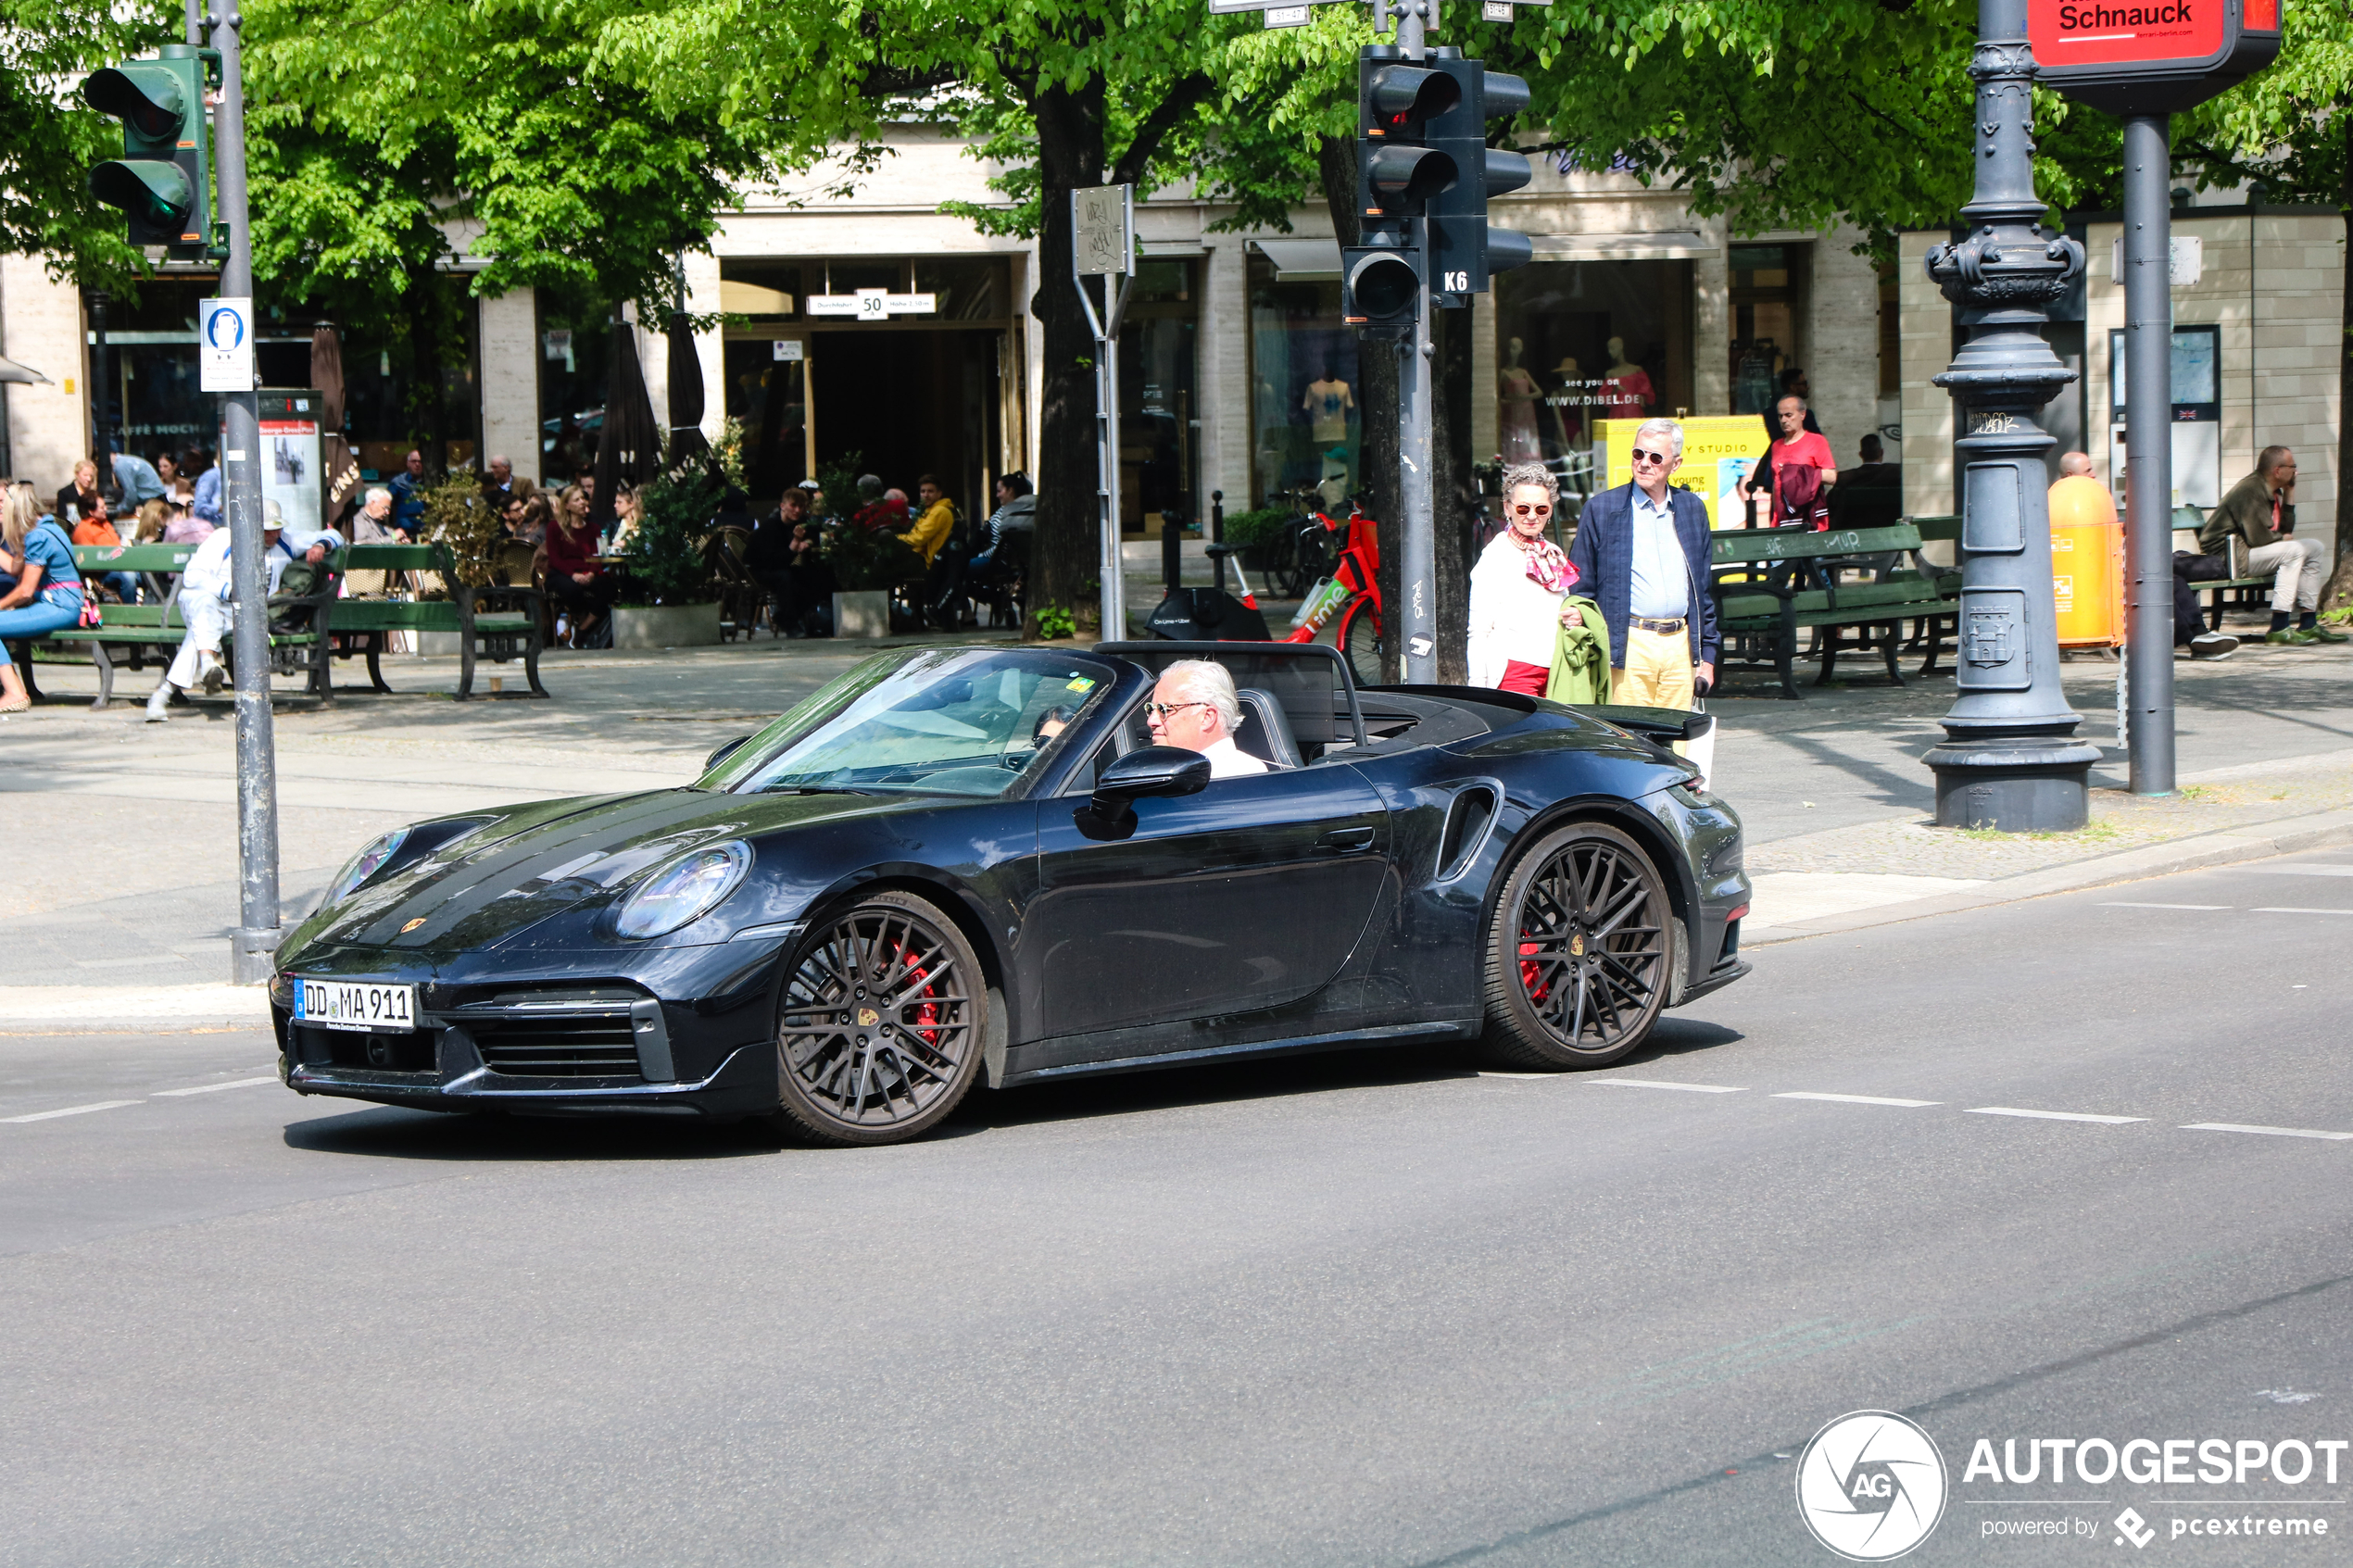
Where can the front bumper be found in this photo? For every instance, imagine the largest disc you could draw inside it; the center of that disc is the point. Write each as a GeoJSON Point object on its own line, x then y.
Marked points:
{"type": "Point", "coordinates": [690, 1033]}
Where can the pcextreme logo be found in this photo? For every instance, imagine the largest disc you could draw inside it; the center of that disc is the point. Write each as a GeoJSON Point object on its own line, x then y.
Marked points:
{"type": "Point", "coordinates": [1870, 1485]}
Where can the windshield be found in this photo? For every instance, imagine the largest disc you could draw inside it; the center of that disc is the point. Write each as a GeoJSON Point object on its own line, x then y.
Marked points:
{"type": "Point", "coordinates": [973, 721]}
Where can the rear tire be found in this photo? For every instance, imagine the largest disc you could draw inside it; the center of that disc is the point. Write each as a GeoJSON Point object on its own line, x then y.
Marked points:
{"type": "Point", "coordinates": [1577, 952]}
{"type": "Point", "coordinates": [880, 1029]}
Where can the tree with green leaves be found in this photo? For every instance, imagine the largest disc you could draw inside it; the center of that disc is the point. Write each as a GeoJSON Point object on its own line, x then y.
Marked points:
{"type": "Point", "coordinates": [2286, 134]}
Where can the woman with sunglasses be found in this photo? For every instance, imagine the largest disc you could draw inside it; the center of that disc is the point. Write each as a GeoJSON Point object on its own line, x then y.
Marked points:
{"type": "Point", "coordinates": [1517, 588]}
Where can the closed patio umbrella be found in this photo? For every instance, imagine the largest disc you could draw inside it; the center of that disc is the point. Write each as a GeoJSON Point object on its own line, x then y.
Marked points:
{"type": "Point", "coordinates": [25, 375]}
{"type": "Point", "coordinates": [627, 449]}
{"type": "Point", "coordinates": [686, 439]}
{"type": "Point", "coordinates": [326, 374]}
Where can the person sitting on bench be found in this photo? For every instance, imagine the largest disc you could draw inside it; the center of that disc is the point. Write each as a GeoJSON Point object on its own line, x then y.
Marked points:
{"type": "Point", "coordinates": [2260, 514]}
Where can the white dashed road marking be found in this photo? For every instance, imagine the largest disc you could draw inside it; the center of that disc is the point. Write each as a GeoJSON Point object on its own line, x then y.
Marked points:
{"type": "Point", "coordinates": [2275, 1132]}
{"type": "Point", "coordinates": [215, 1089]}
{"type": "Point", "coordinates": [2050, 1115]}
{"type": "Point", "coordinates": [1661, 1083]}
{"type": "Point", "coordinates": [72, 1111]}
{"type": "Point", "coordinates": [1857, 1099]}
{"type": "Point", "coordinates": [2128, 903]}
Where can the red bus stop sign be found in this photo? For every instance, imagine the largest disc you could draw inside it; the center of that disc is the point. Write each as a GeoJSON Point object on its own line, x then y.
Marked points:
{"type": "Point", "coordinates": [2150, 56]}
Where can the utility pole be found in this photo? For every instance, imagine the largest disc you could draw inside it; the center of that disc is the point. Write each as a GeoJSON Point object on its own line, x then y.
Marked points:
{"type": "Point", "coordinates": [254, 951]}
{"type": "Point", "coordinates": [1102, 243]}
{"type": "Point", "coordinates": [1416, 496]}
{"type": "Point", "coordinates": [2148, 452]}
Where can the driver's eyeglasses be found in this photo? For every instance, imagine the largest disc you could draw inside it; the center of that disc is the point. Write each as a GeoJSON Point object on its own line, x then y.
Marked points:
{"type": "Point", "coordinates": [1162, 710]}
{"type": "Point", "coordinates": [1533, 511]}
{"type": "Point", "coordinates": [1643, 456]}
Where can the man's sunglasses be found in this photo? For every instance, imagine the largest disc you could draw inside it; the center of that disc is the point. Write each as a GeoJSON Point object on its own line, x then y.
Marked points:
{"type": "Point", "coordinates": [1661, 458]}
{"type": "Point", "coordinates": [1161, 711]}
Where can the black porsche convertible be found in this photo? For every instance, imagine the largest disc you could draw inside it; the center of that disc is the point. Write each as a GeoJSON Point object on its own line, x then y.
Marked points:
{"type": "Point", "coordinates": [955, 865]}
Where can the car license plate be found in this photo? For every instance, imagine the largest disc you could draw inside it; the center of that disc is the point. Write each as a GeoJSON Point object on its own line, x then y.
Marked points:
{"type": "Point", "coordinates": [346, 1004]}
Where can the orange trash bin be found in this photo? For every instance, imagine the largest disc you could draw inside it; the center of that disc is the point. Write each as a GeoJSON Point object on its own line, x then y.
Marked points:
{"type": "Point", "coordinates": [2087, 564]}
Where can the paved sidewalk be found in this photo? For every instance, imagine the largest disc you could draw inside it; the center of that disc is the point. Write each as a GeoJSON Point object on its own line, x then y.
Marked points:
{"type": "Point", "coordinates": [123, 867]}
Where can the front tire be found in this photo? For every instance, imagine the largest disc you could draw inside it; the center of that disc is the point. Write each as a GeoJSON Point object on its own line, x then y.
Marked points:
{"type": "Point", "coordinates": [1577, 952]}
{"type": "Point", "coordinates": [880, 1028]}
{"type": "Point", "coordinates": [1360, 641]}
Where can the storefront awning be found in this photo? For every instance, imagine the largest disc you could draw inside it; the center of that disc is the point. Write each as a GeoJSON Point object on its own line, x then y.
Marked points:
{"type": "Point", "coordinates": [1302, 261]}
{"type": "Point", "coordinates": [1663, 244]}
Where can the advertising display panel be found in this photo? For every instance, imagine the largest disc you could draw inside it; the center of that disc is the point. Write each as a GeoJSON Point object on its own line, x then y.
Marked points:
{"type": "Point", "coordinates": [292, 470]}
{"type": "Point", "coordinates": [1718, 453]}
{"type": "Point", "coordinates": [2149, 57]}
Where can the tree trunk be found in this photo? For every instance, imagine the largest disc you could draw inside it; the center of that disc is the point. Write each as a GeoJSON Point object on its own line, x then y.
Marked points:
{"type": "Point", "coordinates": [1456, 489]}
{"type": "Point", "coordinates": [2340, 585]}
{"type": "Point", "coordinates": [1065, 555]}
{"type": "Point", "coordinates": [1376, 396]}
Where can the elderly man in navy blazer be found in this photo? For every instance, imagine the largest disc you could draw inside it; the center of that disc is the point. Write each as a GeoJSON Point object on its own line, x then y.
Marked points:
{"type": "Point", "coordinates": [1641, 553]}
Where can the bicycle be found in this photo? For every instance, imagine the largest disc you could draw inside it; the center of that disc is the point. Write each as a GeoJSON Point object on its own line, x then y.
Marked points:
{"type": "Point", "coordinates": [1350, 593]}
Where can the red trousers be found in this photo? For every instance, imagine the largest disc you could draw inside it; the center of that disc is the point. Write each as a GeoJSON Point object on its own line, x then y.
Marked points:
{"type": "Point", "coordinates": [1527, 679]}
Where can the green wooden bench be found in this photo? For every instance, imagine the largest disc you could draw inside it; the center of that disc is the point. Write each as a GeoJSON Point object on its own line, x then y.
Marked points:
{"type": "Point", "coordinates": [497, 623]}
{"type": "Point", "coordinates": [1772, 583]}
{"type": "Point", "coordinates": [156, 625]}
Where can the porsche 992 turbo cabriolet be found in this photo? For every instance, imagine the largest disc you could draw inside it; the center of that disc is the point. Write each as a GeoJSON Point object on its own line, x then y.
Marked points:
{"type": "Point", "coordinates": [961, 865]}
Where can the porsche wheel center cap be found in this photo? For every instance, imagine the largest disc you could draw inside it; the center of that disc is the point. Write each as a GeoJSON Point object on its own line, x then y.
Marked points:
{"type": "Point", "coordinates": [868, 1018]}
{"type": "Point", "coordinates": [1577, 946]}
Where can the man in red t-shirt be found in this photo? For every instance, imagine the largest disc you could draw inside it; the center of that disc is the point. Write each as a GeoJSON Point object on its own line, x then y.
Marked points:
{"type": "Point", "coordinates": [1797, 499]}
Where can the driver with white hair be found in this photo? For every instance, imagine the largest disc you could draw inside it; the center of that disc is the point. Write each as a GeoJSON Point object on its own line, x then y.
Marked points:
{"type": "Point", "coordinates": [1195, 707]}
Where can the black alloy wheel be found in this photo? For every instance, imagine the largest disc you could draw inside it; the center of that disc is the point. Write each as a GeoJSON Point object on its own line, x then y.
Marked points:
{"type": "Point", "coordinates": [1577, 952]}
{"type": "Point", "coordinates": [880, 1029]}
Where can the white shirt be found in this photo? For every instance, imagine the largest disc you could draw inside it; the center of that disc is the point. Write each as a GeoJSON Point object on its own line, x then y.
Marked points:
{"type": "Point", "coordinates": [1662, 585]}
{"type": "Point", "coordinates": [1227, 760]}
{"type": "Point", "coordinates": [1512, 615]}
{"type": "Point", "coordinates": [206, 573]}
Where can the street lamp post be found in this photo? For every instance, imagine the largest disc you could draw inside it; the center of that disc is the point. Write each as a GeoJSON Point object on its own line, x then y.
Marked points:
{"type": "Point", "coordinates": [2009, 759]}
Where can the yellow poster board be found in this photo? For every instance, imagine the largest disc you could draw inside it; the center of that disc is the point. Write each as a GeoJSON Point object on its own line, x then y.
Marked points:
{"type": "Point", "coordinates": [1719, 452]}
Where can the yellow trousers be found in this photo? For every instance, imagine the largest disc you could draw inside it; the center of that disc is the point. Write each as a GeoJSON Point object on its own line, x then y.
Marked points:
{"type": "Point", "coordinates": [1657, 672]}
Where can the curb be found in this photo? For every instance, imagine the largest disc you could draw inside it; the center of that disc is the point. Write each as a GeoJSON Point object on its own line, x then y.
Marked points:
{"type": "Point", "coordinates": [2225, 846]}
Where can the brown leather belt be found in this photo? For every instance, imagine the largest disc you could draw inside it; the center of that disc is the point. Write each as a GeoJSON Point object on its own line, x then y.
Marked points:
{"type": "Point", "coordinates": [1642, 624]}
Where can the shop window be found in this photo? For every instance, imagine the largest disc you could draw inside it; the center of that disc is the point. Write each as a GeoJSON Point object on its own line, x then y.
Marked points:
{"type": "Point", "coordinates": [1581, 341]}
{"type": "Point", "coordinates": [1306, 427]}
{"type": "Point", "coordinates": [1159, 418]}
{"type": "Point", "coordinates": [575, 361]}
{"type": "Point", "coordinates": [1891, 333]}
{"type": "Point", "coordinates": [1768, 289]}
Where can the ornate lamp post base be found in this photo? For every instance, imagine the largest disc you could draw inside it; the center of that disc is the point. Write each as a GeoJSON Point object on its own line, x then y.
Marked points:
{"type": "Point", "coordinates": [2010, 759]}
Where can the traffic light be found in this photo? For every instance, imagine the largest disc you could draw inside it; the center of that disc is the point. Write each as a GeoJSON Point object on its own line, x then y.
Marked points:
{"type": "Point", "coordinates": [160, 181]}
{"type": "Point", "coordinates": [1380, 289]}
{"type": "Point", "coordinates": [1397, 171]}
{"type": "Point", "coordinates": [1465, 252]}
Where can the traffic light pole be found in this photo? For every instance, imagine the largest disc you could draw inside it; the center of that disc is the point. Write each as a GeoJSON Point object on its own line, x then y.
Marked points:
{"type": "Point", "coordinates": [1416, 497]}
{"type": "Point", "coordinates": [2148, 451]}
{"type": "Point", "coordinates": [255, 948]}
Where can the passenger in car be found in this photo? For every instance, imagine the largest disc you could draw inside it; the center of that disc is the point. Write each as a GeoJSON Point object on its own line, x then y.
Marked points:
{"type": "Point", "coordinates": [1194, 705]}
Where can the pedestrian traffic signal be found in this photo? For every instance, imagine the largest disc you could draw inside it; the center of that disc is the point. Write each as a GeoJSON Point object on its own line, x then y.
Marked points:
{"type": "Point", "coordinates": [1464, 251]}
{"type": "Point", "coordinates": [159, 183]}
{"type": "Point", "coordinates": [1380, 289]}
{"type": "Point", "coordinates": [1397, 171]}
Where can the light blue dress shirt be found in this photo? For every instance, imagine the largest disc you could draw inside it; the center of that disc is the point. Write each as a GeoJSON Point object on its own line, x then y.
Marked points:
{"type": "Point", "coordinates": [1662, 587]}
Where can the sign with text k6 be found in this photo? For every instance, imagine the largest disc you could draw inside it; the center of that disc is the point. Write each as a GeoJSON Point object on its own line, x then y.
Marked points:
{"type": "Point", "coordinates": [2150, 56]}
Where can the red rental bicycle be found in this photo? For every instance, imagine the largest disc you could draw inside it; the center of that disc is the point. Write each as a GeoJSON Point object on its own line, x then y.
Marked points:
{"type": "Point", "coordinates": [1358, 574]}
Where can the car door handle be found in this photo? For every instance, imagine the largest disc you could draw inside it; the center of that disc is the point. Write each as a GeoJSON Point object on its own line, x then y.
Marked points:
{"type": "Point", "coordinates": [1346, 841]}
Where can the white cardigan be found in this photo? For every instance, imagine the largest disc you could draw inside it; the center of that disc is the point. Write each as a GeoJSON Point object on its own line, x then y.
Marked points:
{"type": "Point", "coordinates": [1512, 615]}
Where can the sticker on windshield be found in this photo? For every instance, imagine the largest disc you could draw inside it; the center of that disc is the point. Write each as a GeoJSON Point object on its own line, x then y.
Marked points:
{"type": "Point", "coordinates": [1079, 684]}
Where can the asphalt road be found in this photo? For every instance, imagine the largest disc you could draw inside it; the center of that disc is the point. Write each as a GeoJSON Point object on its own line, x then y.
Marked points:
{"type": "Point", "coordinates": [1366, 1310]}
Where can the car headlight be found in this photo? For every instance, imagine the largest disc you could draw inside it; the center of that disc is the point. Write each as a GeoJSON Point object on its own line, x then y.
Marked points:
{"type": "Point", "coordinates": [683, 890]}
{"type": "Point", "coordinates": [365, 865]}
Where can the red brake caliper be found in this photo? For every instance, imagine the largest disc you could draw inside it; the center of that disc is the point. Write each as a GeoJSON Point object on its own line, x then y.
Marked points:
{"type": "Point", "coordinates": [927, 1013]}
{"type": "Point", "coordinates": [1531, 974]}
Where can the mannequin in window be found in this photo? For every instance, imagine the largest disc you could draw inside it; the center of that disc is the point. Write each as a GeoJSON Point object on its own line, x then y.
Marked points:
{"type": "Point", "coordinates": [1627, 392]}
{"type": "Point", "coordinates": [1328, 403]}
{"type": "Point", "coordinates": [1567, 405]}
{"type": "Point", "coordinates": [1516, 394]}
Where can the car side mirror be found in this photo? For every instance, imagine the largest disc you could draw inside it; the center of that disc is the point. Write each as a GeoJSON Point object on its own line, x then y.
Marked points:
{"type": "Point", "coordinates": [723, 751]}
{"type": "Point", "coordinates": [1148, 770]}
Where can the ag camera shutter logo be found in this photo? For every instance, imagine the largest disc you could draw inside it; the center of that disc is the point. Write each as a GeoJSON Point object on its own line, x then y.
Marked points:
{"type": "Point", "coordinates": [1872, 1486]}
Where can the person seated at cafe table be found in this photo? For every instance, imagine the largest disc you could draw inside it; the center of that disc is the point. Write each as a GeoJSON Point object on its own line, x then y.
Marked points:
{"type": "Point", "coordinates": [576, 580]}
{"type": "Point", "coordinates": [1195, 707]}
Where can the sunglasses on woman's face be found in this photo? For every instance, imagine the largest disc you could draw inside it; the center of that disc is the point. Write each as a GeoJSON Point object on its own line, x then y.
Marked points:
{"type": "Point", "coordinates": [1643, 456]}
{"type": "Point", "coordinates": [1539, 509]}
